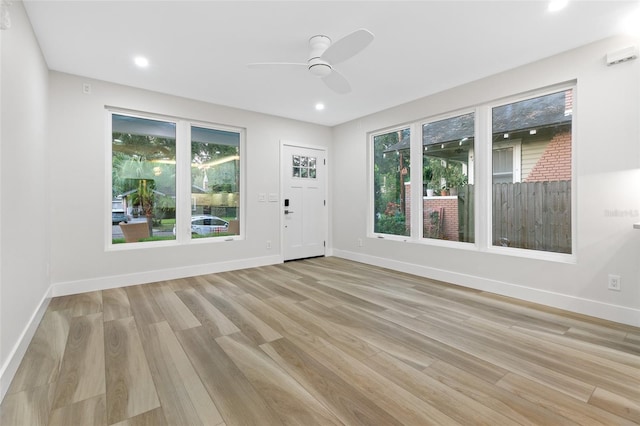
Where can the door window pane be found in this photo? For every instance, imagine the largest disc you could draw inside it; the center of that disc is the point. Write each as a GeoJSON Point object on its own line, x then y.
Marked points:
{"type": "Point", "coordinates": [215, 182]}
{"type": "Point", "coordinates": [303, 167]}
{"type": "Point", "coordinates": [532, 184]}
{"type": "Point", "coordinates": [143, 179]}
{"type": "Point", "coordinates": [392, 203]}
{"type": "Point", "coordinates": [447, 170]}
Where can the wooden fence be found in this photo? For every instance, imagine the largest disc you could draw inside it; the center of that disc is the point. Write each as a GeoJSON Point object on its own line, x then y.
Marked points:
{"type": "Point", "coordinates": [535, 215]}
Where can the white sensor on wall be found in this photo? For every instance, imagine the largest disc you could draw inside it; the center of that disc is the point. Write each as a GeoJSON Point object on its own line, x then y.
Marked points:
{"type": "Point", "coordinates": [622, 55]}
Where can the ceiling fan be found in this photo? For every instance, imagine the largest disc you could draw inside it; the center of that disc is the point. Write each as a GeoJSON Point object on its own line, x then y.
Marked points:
{"type": "Point", "coordinates": [324, 54]}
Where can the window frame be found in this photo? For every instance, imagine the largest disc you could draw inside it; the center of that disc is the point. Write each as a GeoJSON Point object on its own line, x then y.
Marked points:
{"type": "Point", "coordinates": [488, 238]}
{"type": "Point", "coordinates": [371, 185]}
{"type": "Point", "coordinates": [471, 169]}
{"type": "Point", "coordinates": [481, 168]}
{"type": "Point", "coordinates": [183, 180]}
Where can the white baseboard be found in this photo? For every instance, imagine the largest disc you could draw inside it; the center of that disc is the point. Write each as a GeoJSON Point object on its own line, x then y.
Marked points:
{"type": "Point", "coordinates": [594, 308]}
{"type": "Point", "coordinates": [115, 281]}
{"type": "Point", "coordinates": [10, 367]}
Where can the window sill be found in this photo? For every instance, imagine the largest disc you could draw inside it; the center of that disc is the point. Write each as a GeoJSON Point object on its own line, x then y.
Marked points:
{"type": "Point", "coordinates": [441, 197]}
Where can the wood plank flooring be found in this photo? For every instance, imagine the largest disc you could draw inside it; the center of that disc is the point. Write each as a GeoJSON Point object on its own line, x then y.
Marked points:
{"type": "Point", "coordinates": [321, 341]}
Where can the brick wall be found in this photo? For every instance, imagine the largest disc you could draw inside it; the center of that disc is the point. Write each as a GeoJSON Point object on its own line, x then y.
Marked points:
{"type": "Point", "coordinates": [450, 206]}
{"type": "Point", "coordinates": [568, 101]}
{"type": "Point", "coordinates": [555, 162]}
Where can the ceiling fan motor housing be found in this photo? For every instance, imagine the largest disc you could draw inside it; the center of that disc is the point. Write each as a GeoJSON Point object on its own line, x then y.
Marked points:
{"type": "Point", "coordinates": [317, 66]}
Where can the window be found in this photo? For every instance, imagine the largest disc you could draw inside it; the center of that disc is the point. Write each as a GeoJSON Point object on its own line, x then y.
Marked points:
{"type": "Point", "coordinates": [215, 182]}
{"type": "Point", "coordinates": [391, 159]}
{"type": "Point", "coordinates": [531, 167]}
{"type": "Point", "coordinates": [447, 170]}
{"type": "Point", "coordinates": [523, 149]}
{"type": "Point", "coordinates": [303, 167]}
{"type": "Point", "coordinates": [143, 176]}
{"type": "Point", "coordinates": [149, 157]}
{"type": "Point", "coordinates": [506, 162]}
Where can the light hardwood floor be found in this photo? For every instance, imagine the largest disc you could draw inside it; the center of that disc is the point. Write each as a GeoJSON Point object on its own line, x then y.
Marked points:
{"type": "Point", "coordinates": [321, 341]}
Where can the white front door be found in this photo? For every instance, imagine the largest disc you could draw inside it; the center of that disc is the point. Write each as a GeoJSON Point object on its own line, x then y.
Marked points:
{"type": "Point", "coordinates": [303, 203]}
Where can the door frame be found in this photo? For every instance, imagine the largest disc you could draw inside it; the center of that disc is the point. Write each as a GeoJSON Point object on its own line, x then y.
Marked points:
{"type": "Point", "coordinates": [281, 171]}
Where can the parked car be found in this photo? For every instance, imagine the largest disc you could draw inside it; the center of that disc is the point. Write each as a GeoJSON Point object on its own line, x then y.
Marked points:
{"type": "Point", "coordinates": [118, 216]}
{"type": "Point", "coordinates": [206, 224]}
{"type": "Point", "coordinates": [117, 212]}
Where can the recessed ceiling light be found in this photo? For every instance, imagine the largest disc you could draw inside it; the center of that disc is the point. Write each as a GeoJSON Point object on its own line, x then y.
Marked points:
{"type": "Point", "coordinates": [319, 106]}
{"type": "Point", "coordinates": [556, 5]}
{"type": "Point", "coordinates": [141, 61]}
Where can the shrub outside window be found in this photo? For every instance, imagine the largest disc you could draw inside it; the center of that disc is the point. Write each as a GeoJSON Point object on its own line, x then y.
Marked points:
{"type": "Point", "coordinates": [391, 160]}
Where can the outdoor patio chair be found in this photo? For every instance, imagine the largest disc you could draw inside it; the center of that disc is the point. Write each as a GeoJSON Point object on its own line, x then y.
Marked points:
{"type": "Point", "coordinates": [134, 232]}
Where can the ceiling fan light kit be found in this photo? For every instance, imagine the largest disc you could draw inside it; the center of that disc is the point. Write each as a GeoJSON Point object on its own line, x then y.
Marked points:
{"type": "Point", "coordinates": [319, 68]}
{"type": "Point", "coordinates": [323, 54]}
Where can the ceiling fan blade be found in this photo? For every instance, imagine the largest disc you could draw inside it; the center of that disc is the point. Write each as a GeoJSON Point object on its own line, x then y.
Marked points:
{"type": "Point", "coordinates": [348, 46]}
{"type": "Point", "coordinates": [336, 82]}
{"type": "Point", "coordinates": [265, 65]}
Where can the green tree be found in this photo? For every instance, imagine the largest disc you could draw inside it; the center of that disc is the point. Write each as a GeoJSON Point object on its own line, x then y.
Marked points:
{"type": "Point", "coordinates": [391, 170]}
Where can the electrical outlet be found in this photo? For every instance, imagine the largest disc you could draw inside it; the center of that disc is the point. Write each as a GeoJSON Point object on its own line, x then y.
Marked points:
{"type": "Point", "coordinates": [359, 242]}
{"type": "Point", "coordinates": [614, 282]}
{"type": "Point", "coordinates": [268, 245]}
{"type": "Point", "coordinates": [86, 88]}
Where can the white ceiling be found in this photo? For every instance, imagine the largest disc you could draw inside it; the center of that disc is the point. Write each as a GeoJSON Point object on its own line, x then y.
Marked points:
{"type": "Point", "coordinates": [200, 49]}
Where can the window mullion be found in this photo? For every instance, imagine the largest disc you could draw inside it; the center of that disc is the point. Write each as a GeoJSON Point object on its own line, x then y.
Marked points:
{"type": "Point", "coordinates": [416, 181]}
{"type": "Point", "coordinates": [483, 196]}
{"type": "Point", "coordinates": [183, 181]}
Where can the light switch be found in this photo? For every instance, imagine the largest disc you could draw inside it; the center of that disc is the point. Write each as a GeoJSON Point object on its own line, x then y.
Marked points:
{"type": "Point", "coordinates": [273, 197]}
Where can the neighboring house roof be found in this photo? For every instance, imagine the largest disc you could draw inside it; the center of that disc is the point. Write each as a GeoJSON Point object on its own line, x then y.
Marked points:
{"type": "Point", "coordinates": [536, 113]}
{"type": "Point", "coordinates": [451, 129]}
{"type": "Point", "coordinates": [544, 111]}
{"type": "Point", "coordinates": [403, 144]}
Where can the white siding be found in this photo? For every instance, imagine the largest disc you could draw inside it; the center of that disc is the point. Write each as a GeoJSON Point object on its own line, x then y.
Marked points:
{"type": "Point", "coordinates": [531, 153]}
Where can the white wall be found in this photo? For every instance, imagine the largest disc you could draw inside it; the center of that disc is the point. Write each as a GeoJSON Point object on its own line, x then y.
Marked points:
{"type": "Point", "coordinates": [607, 142]}
{"type": "Point", "coordinates": [78, 180]}
{"type": "Point", "coordinates": [24, 191]}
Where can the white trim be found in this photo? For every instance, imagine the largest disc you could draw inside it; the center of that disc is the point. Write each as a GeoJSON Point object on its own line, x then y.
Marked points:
{"type": "Point", "coordinates": [10, 367]}
{"type": "Point", "coordinates": [607, 311]}
{"type": "Point", "coordinates": [116, 281]}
